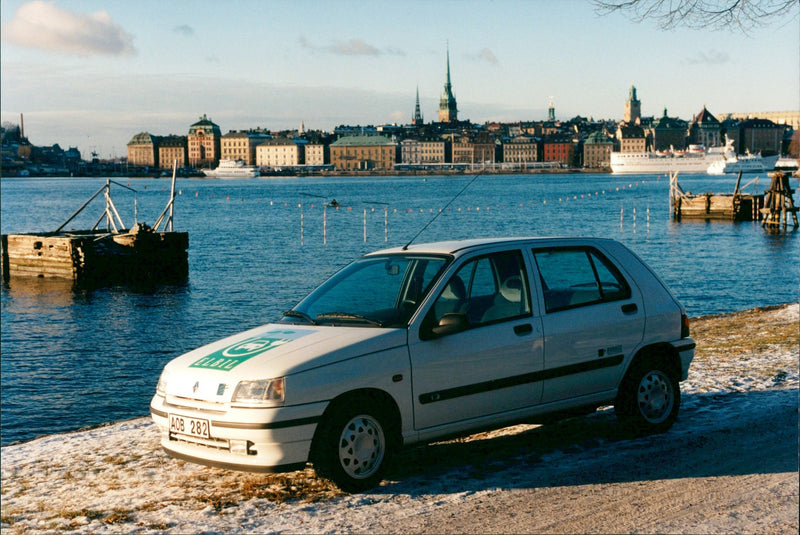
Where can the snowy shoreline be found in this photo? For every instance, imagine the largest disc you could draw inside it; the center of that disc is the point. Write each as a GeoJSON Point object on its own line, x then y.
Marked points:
{"type": "Point", "coordinates": [115, 478]}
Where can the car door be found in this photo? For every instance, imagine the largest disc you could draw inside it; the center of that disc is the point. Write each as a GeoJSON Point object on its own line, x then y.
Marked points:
{"type": "Point", "coordinates": [593, 319]}
{"type": "Point", "coordinates": [488, 366]}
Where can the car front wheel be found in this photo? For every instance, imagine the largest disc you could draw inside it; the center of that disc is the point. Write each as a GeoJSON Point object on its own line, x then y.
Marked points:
{"type": "Point", "coordinates": [352, 448]}
{"type": "Point", "coordinates": [649, 398]}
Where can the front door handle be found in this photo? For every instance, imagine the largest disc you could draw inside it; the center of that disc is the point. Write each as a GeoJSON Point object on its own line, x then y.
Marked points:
{"type": "Point", "coordinates": [630, 308]}
{"type": "Point", "coordinates": [525, 328]}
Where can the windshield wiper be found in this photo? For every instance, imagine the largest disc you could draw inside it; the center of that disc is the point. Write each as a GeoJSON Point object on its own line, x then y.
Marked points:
{"type": "Point", "coordinates": [302, 315]}
{"type": "Point", "coordinates": [348, 316]}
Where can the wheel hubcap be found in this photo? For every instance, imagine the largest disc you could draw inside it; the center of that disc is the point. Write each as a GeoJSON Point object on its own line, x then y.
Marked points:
{"type": "Point", "coordinates": [655, 397]}
{"type": "Point", "coordinates": [361, 447]}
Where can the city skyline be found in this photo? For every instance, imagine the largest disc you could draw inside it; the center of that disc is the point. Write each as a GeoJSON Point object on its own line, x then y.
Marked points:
{"type": "Point", "coordinates": [91, 75]}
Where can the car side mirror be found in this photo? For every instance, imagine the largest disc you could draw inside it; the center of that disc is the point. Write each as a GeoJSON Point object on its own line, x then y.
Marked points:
{"type": "Point", "coordinates": [451, 323]}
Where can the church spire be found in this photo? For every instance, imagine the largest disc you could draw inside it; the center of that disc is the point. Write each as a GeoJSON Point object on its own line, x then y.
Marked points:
{"type": "Point", "coordinates": [417, 119]}
{"type": "Point", "coordinates": [448, 110]}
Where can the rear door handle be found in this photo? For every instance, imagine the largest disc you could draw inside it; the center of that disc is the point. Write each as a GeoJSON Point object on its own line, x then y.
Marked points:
{"type": "Point", "coordinates": [523, 329]}
{"type": "Point", "coordinates": [630, 308]}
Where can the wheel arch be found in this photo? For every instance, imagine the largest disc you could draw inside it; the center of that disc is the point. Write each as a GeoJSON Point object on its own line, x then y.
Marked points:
{"type": "Point", "coordinates": [662, 352]}
{"type": "Point", "coordinates": [371, 398]}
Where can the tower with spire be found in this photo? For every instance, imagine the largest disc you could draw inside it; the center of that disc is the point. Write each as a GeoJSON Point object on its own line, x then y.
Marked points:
{"type": "Point", "coordinates": [633, 108]}
{"type": "Point", "coordinates": [448, 110]}
{"type": "Point", "coordinates": [417, 119]}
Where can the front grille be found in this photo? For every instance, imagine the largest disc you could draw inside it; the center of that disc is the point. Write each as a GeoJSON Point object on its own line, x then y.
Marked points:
{"type": "Point", "coordinates": [194, 404]}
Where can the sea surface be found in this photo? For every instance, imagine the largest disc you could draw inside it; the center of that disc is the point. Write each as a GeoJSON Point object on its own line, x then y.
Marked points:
{"type": "Point", "coordinates": [77, 357]}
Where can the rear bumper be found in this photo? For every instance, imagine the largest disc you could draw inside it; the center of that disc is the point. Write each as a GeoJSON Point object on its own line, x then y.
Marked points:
{"type": "Point", "coordinates": [685, 349]}
{"type": "Point", "coordinates": [252, 440]}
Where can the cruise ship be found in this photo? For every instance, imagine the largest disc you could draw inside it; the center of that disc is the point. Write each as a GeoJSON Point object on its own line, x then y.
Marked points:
{"type": "Point", "coordinates": [696, 159]}
{"type": "Point", "coordinates": [232, 169]}
{"type": "Point", "coordinates": [749, 163]}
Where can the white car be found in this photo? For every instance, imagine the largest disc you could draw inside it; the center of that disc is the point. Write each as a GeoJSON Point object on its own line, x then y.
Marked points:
{"type": "Point", "coordinates": [411, 344]}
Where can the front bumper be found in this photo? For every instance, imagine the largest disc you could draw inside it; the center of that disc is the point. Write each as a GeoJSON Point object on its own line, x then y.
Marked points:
{"type": "Point", "coordinates": [246, 439]}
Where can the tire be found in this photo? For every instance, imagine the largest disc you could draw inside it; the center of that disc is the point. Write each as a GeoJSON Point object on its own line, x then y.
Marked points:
{"type": "Point", "coordinates": [649, 397]}
{"type": "Point", "coordinates": [352, 446]}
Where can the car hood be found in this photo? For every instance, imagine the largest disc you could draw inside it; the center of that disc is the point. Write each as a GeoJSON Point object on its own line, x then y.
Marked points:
{"type": "Point", "coordinates": [274, 350]}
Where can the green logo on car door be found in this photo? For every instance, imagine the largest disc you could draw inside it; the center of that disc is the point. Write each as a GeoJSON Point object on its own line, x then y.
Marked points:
{"type": "Point", "coordinates": [228, 358]}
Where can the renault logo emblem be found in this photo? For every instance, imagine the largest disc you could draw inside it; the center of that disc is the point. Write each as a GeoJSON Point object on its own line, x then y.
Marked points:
{"type": "Point", "coordinates": [195, 387]}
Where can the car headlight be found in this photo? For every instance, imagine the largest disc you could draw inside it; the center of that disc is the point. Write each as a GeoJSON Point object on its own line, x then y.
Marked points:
{"type": "Point", "coordinates": [161, 387]}
{"type": "Point", "coordinates": [260, 392]}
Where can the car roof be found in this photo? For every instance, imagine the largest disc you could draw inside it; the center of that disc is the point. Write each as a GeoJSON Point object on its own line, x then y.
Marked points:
{"type": "Point", "coordinates": [457, 247]}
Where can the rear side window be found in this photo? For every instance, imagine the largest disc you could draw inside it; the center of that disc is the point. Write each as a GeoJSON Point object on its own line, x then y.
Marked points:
{"type": "Point", "coordinates": [578, 276]}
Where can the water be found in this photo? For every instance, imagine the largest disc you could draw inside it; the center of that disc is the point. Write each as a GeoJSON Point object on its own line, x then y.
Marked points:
{"type": "Point", "coordinates": [79, 357]}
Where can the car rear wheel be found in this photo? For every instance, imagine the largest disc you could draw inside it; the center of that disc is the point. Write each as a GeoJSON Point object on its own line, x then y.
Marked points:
{"type": "Point", "coordinates": [352, 448]}
{"type": "Point", "coordinates": [649, 397]}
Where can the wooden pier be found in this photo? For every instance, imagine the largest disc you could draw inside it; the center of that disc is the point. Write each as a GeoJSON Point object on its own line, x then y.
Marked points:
{"type": "Point", "coordinates": [736, 206]}
{"type": "Point", "coordinates": [779, 203]}
{"type": "Point", "coordinates": [139, 254]}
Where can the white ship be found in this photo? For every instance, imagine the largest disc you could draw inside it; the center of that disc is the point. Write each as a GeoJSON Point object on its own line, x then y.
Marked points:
{"type": "Point", "coordinates": [749, 163]}
{"type": "Point", "coordinates": [232, 169]}
{"type": "Point", "coordinates": [695, 160]}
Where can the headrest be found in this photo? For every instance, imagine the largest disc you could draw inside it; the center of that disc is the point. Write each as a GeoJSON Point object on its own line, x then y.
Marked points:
{"type": "Point", "coordinates": [511, 289]}
{"type": "Point", "coordinates": [455, 289]}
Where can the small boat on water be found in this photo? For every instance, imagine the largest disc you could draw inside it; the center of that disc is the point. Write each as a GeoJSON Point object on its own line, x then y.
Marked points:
{"type": "Point", "coordinates": [232, 169]}
{"type": "Point", "coordinates": [115, 254]}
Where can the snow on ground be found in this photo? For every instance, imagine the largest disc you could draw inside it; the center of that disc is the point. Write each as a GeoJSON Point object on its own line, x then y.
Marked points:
{"type": "Point", "coordinates": [115, 479]}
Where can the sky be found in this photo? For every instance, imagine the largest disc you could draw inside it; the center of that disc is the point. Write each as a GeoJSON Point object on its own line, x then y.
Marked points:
{"type": "Point", "coordinates": [92, 73]}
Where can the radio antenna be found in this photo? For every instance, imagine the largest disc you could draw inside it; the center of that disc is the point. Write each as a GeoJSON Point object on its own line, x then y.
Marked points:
{"type": "Point", "coordinates": [405, 247]}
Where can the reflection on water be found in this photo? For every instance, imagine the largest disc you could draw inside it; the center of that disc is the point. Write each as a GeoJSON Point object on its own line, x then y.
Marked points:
{"type": "Point", "coordinates": [78, 356]}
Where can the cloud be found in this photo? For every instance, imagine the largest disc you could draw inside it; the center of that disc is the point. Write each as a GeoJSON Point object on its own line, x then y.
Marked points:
{"type": "Point", "coordinates": [353, 47]}
{"type": "Point", "coordinates": [40, 24]}
{"type": "Point", "coordinates": [712, 57]}
{"type": "Point", "coordinates": [488, 55]}
{"type": "Point", "coordinates": [184, 29]}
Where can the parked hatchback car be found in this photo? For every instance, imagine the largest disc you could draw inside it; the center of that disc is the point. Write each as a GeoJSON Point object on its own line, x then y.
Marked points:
{"type": "Point", "coordinates": [410, 344]}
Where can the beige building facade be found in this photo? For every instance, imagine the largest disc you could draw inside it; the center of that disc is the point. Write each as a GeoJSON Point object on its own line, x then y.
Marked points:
{"type": "Point", "coordinates": [241, 146]}
{"type": "Point", "coordinates": [360, 153]}
{"type": "Point", "coordinates": [204, 143]}
{"type": "Point", "coordinates": [279, 152]}
{"type": "Point", "coordinates": [415, 151]}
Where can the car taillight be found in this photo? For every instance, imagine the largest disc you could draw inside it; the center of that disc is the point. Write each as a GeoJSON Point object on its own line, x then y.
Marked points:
{"type": "Point", "coordinates": [684, 326]}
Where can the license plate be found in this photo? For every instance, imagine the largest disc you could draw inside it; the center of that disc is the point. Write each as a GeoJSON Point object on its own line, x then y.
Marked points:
{"type": "Point", "coordinates": [184, 425]}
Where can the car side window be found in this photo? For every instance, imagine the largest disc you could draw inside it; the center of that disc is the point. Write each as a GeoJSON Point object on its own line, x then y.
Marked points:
{"type": "Point", "coordinates": [486, 290]}
{"type": "Point", "coordinates": [578, 276]}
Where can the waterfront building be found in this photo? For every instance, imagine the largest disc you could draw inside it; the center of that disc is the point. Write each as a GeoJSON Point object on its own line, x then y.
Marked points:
{"type": "Point", "coordinates": [631, 138]}
{"type": "Point", "coordinates": [279, 152]}
{"type": "Point", "coordinates": [633, 108]}
{"type": "Point", "coordinates": [520, 149]}
{"type": "Point", "coordinates": [669, 133]}
{"type": "Point", "coordinates": [787, 118]}
{"type": "Point", "coordinates": [448, 109]}
{"type": "Point", "coordinates": [421, 151]}
{"type": "Point", "coordinates": [361, 153]}
{"type": "Point", "coordinates": [142, 149]}
{"type": "Point", "coordinates": [173, 149]}
{"type": "Point", "coordinates": [558, 148]}
{"type": "Point", "coordinates": [705, 129]}
{"type": "Point", "coordinates": [241, 146]}
{"type": "Point", "coordinates": [204, 143]}
{"type": "Point", "coordinates": [485, 148]}
{"type": "Point", "coordinates": [597, 151]}
{"type": "Point", "coordinates": [316, 154]}
{"type": "Point", "coordinates": [760, 135]}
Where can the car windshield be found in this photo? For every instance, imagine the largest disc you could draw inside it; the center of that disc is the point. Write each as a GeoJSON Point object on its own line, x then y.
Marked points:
{"type": "Point", "coordinates": [380, 291]}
